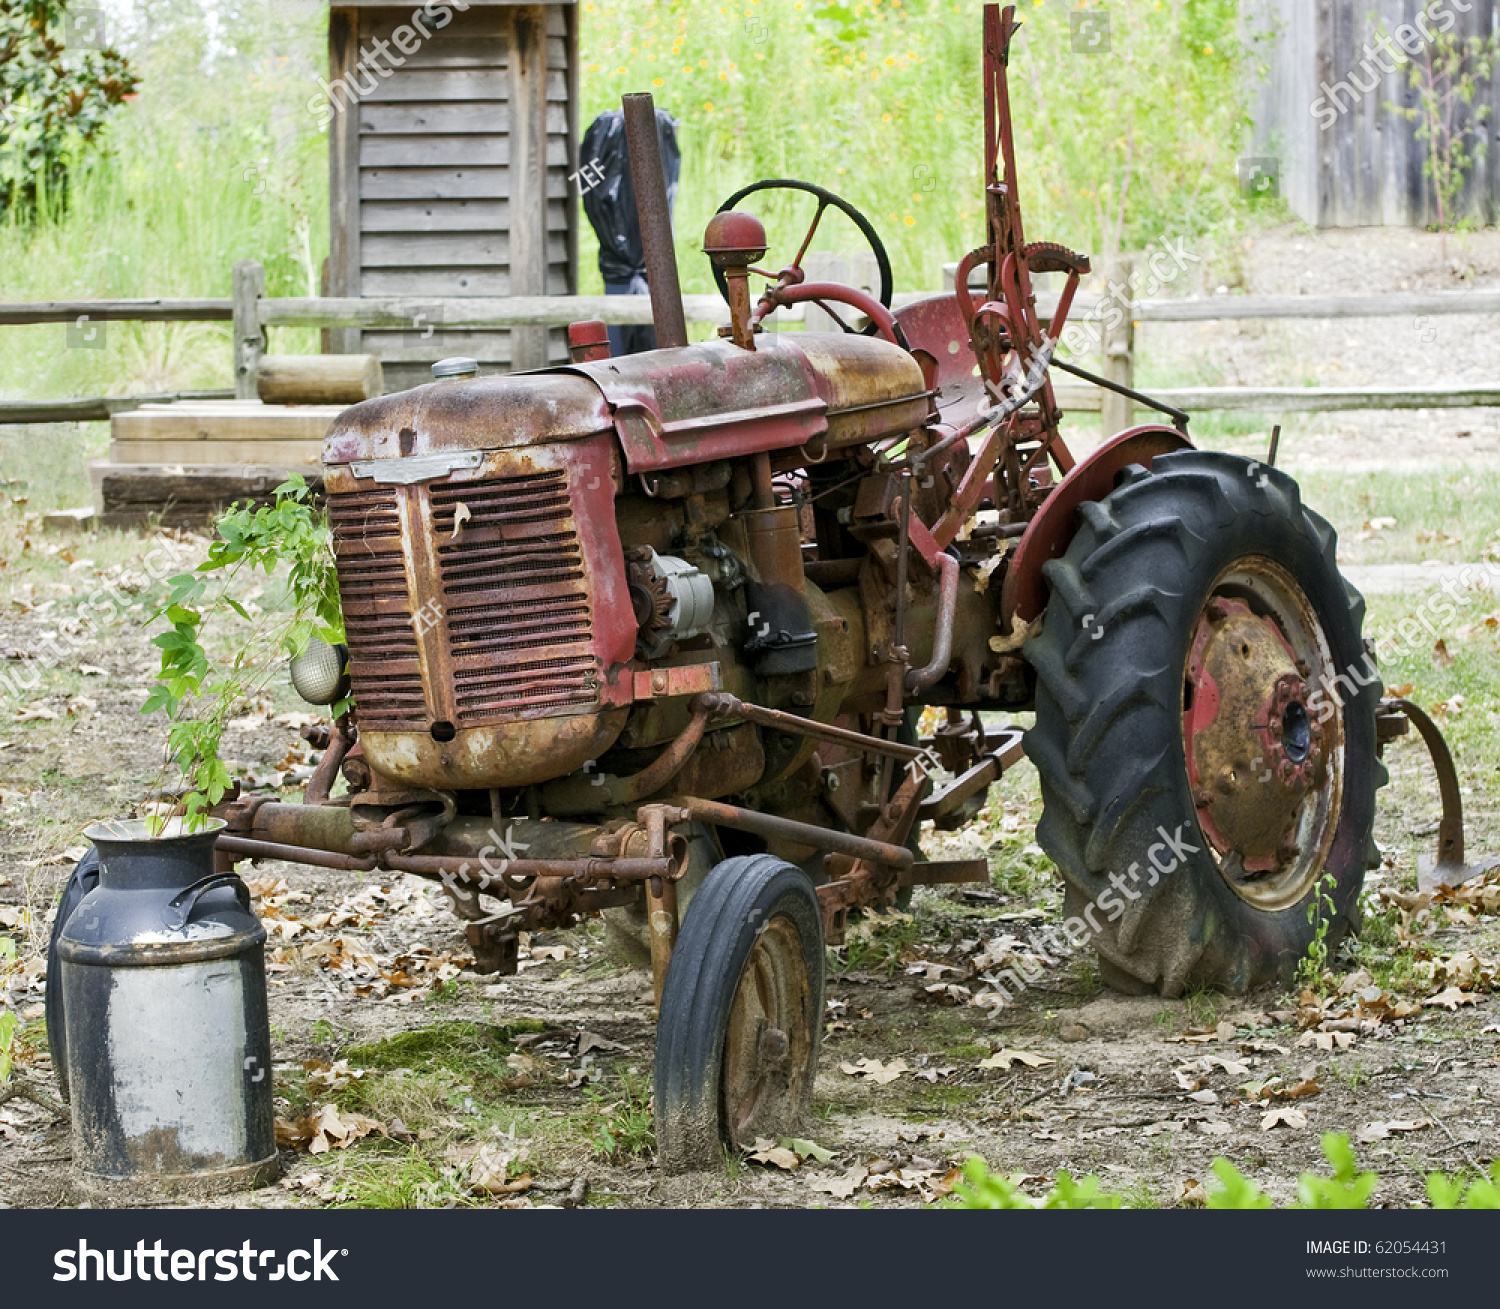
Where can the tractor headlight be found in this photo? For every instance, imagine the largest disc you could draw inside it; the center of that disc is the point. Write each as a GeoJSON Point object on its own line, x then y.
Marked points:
{"type": "Point", "coordinates": [320, 674]}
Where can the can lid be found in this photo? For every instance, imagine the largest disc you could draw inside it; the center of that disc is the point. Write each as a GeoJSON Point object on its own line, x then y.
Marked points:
{"type": "Point", "coordinates": [455, 366]}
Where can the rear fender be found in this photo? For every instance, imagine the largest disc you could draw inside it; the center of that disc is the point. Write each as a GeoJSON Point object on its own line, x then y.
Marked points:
{"type": "Point", "coordinates": [1024, 595]}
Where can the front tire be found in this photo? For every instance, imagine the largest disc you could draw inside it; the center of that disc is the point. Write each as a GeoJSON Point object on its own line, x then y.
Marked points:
{"type": "Point", "coordinates": [1205, 727]}
{"type": "Point", "coordinates": [741, 1013]}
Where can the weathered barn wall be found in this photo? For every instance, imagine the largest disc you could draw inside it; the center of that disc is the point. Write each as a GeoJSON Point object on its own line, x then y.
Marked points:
{"type": "Point", "coordinates": [450, 174]}
{"type": "Point", "coordinates": [1327, 108]}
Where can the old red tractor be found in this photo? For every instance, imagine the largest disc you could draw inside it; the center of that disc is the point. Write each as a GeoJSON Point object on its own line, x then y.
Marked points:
{"type": "Point", "coordinates": [652, 635]}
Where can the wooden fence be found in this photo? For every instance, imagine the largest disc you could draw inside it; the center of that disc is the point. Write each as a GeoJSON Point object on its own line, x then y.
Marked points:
{"type": "Point", "coordinates": [252, 314]}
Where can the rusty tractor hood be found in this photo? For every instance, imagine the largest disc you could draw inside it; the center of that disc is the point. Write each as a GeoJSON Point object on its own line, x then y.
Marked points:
{"type": "Point", "coordinates": [668, 407]}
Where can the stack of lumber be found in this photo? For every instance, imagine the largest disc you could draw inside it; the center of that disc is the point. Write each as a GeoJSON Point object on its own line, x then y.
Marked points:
{"type": "Point", "coordinates": [179, 464]}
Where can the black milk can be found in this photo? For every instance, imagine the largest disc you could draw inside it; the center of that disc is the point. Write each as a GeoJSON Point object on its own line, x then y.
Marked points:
{"type": "Point", "coordinates": [168, 1043]}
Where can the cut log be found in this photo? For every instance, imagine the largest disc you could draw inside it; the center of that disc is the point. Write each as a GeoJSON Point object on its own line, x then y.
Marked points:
{"type": "Point", "coordinates": [318, 379]}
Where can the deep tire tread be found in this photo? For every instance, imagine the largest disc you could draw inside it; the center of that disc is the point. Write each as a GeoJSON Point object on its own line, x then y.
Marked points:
{"type": "Point", "coordinates": [1107, 741]}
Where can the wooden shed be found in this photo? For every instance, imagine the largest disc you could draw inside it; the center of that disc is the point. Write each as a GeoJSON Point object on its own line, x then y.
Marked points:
{"type": "Point", "coordinates": [1328, 111]}
{"type": "Point", "coordinates": [450, 155]}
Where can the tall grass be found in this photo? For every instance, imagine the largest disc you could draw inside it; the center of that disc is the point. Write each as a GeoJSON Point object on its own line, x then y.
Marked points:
{"type": "Point", "coordinates": [218, 159]}
{"type": "Point", "coordinates": [880, 101]}
{"type": "Point", "coordinates": [215, 160]}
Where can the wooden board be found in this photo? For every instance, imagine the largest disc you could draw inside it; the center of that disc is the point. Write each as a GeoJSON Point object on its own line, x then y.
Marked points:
{"type": "Point", "coordinates": [133, 494]}
{"type": "Point", "coordinates": [224, 421]}
{"type": "Point", "coordinates": [288, 454]}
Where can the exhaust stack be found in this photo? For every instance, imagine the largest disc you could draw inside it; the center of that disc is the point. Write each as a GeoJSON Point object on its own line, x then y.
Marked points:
{"type": "Point", "coordinates": [650, 182]}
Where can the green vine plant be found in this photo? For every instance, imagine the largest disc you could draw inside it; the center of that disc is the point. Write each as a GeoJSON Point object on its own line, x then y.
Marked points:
{"type": "Point", "coordinates": [1320, 912]}
{"type": "Point", "coordinates": [199, 693]}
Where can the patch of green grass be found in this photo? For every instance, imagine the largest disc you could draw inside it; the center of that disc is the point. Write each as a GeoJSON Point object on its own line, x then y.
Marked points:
{"type": "Point", "coordinates": [1202, 1006]}
{"type": "Point", "coordinates": [940, 1100]}
{"type": "Point", "coordinates": [875, 943]}
{"type": "Point", "coordinates": [443, 1075]}
{"type": "Point", "coordinates": [622, 1122]}
{"type": "Point", "coordinates": [384, 1179]}
{"type": "Point", "coordinates": [1451, 513]}
{"type": "Point", "coordinates": [462, 1046]}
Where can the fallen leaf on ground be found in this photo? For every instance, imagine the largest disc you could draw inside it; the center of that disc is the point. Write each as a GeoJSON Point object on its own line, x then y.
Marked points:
{"type": "Point", "coordinates": [328, 1079]}
{"type": "Point", "coordinates": [1294, 1118]}
{"type": "Point", "coordinates": [1326, 1040]}
{"type": "Point", "coordinates": [328, 1129]}
{"type": "Point", "coordinates": [807, 1149]}
{"type": "Point", "coordinates": [872, 1070]}
{"type": "Point", "coordinates": [593, 1041]}
{"type": "Point", "coordinates": [841, 1188]}
{"type": "Point", "coordinates": [1192, 1194]}
{"type": "Point", "coordinates": [767, 1151]}
{"type": "Point", "coordinates": [1381, 1131]}
{"type": "Point", "coordinates": [1004, 1058]}
{"type": "Point", "coordinates": [932, 1074]}
{"type": "Point", "coordinates": [1452, 998]}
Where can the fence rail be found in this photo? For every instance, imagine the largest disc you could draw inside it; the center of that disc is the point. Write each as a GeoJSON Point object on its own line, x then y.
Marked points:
{"type": "Point", "coordinates": [251, 313]}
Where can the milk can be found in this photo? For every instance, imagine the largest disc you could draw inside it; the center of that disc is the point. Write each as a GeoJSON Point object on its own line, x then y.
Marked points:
{"type": "Point", "coordinates": [168, 1042]}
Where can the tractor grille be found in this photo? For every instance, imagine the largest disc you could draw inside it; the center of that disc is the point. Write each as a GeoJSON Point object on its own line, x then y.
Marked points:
{"type": "Point", "coordinates": [516, 597]}
{"type": "Point", "coordinates": [506, 623]}
{"type": "Point", "coordinates": [383, 663]}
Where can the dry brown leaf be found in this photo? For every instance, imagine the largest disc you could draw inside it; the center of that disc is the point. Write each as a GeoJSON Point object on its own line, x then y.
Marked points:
{"type": "Point", "coordinates": [1381, 1131]}
{"type": "Point", "coordinates": [328, 1129]}
{"type": "Point", "coordinates": [872, 1070]}
{"type": "Point", "coordinates": [1192, 1194]}
{"type": "Point", "coordinates": [841, 1188]}
{"type": "Point", "coordinates": [768, 1152]}
{"type": "Point", "coordinates": [1293, 1118]}
{"type": "Point", "coordinates": [593, 1041]}
{"type": "Point", "coordinates": [1452, 997]}
{"type": "Point", "coordinates": [1004, 1058]}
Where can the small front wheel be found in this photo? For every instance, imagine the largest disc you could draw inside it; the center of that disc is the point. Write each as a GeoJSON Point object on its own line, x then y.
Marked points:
{"type": "Point", "coordinates": [741, 1013]}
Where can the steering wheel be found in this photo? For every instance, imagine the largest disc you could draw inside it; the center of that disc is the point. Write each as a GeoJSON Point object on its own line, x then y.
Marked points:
{"type": "Point", "coordinates": [825, 199]}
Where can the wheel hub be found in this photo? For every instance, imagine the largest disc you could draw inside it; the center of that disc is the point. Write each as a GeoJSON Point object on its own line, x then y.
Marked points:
{"type": "Point", "coordinates": [1255, 749]}
{"type": "Point", "coordinates": [767, 1049]}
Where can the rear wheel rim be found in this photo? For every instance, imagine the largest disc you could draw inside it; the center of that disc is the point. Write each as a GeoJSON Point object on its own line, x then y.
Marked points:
{"type": "Point", "coordinates": [768, 1040]}
{"type": "Point", "coordinates": [1263, 733]}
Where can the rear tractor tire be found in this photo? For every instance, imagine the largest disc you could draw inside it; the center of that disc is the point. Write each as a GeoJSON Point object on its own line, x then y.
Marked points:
{"type": "Point", "coordinates": [741, 1014]}
{"type": "Point", "coordinates": [1205, 728]}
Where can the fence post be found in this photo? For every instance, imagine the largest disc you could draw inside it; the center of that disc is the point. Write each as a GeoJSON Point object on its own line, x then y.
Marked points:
{"type": "Point", "coordinates": [249, 336]}
{"type": "Point", "coordinates": [1117, 412]}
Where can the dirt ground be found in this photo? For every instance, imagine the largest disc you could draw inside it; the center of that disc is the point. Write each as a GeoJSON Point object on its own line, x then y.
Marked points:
{"type": "Point", "coordinates": [419, 1082]}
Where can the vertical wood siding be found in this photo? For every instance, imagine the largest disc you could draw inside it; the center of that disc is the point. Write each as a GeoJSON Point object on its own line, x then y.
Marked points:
{"type": "Point", "coordinates": [428, 196]}
{"type": "Point", "coordinates": [1365, 168]}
